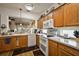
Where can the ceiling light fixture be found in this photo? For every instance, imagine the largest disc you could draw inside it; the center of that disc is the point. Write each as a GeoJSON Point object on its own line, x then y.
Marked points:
{"type": "Point", "coordinates": [29, 7]}
{"type": "Point", "coordinates": [20, 15]}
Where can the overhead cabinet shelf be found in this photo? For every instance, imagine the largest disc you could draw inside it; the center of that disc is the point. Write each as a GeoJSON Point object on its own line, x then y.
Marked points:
{"type": "Point", "coordinates": [71, 14]}
{"type": "Point", "coordinates": [64, 16]}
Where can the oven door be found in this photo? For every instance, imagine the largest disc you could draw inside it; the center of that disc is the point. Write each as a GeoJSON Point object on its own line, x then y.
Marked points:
{"type": "Point", "coordinates": [44, 44]}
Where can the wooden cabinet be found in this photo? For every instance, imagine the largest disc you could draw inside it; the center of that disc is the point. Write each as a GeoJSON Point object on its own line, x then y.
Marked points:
{"type": "Point", "coordinates": [70, 14]}
{"type": "Point", "coordinates": [78, 14]}
{"type": "Point", "coordinates": [40, 23]}
{"type": "Point", "coordinates": [37, 40]}
{"type": "Point", "coordinates": [41, 20]}
{"type": "Point", "coordinates": [52, 48]}
{"type": "Point", "coordinates": [0, 44]}
{"type": "Point", "coordinates": [58, 16]}
{"type": "Point", "coordinates": [22, 41]}
{"type": "Point", "coordinates": [65, 51]}
{"type": "Point", "coordinates": [58, 49]}
{"type": "Point", "coordinates": [65, 15]}
{"type": "Point", "coordinates": [50, 16]}
{"type": "Point", "coordinates": [8, 43]}
{"type": "Point", "coordinates": [13, 42]}
{"type": "Point", "coordinates": [5, 46]}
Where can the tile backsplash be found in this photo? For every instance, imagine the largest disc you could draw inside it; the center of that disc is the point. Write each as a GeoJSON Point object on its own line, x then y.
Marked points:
{"type": "Point", "coordinates": [67, 31]}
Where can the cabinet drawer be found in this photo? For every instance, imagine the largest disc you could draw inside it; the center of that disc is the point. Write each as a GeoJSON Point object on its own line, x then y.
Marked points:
{"type": "Point", "coordinates": [63, 53]}
{"type": "Point", "coordinates": [52, 43]}
{"type": "Point", "coordinates": [52, 48]}
{"type": "Point", "coordinates": [69, 50]}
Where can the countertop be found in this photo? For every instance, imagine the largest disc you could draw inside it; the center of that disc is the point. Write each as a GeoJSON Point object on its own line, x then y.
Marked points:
{"type": "Point", "coordinates": [17, 34]}
{"type": "Point", "coordinates": [13, 35]}
{"type": "Point", "coordinates": [68, 42]}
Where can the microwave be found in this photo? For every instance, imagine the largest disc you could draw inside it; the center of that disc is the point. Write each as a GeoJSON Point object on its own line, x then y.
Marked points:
{"type": "Point", "coordinates": [48, 24]}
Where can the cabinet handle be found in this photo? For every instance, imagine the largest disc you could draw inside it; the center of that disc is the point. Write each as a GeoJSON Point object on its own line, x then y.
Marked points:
{"type": "Point", "coordinates": [17, 41]}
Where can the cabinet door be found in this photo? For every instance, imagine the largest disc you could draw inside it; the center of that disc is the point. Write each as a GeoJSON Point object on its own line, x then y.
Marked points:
{"type": "Point", "coordinates": [40, 23]}
{"type": "Point", "coordinates": [58, 17]}
{"type": "Point", "coordinates": [70, 14]}
{"type": "Point", "coordinates": [0, 45]}
{"type": "Point", "coordinates": [52, 48]}
{"type": "Point", "coordinates": [13, 43]}
{"type": "Point", "coordinates": [52, 51]}
{"type": "Point", "coordinates": [23, 41]}
{"type": "Point", "coordinates": [37, 40]}
{"type": "Point", "coordinates": [64, 53]}
{"type": "Point", "coordinates": [6, 44]}
{"type": "Point", "coordinates": [68, 50]}
{"type": "Point", "coordinates": [78, 15]}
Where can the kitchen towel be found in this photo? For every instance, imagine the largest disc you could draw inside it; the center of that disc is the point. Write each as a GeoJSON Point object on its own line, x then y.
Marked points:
{"type": "Point", "coordinates": [7, 40]}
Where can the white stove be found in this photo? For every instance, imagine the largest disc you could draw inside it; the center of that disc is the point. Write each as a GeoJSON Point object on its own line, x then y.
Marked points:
{"type": "Point", "coordinates": [44, 43]}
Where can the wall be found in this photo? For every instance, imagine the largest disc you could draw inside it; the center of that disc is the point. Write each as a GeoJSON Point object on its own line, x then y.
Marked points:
{"type": "Point", "coordinates": [16, 13]}
{"type": "Point", "coordinates": [5, 13]}
{"type": "Point", "coordinates": [4, 20]}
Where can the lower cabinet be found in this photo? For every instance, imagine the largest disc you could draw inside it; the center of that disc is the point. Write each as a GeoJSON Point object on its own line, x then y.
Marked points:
{"type": "Point", "coordinates": [8, 43]}
{"type": "Point", "coordinates": [13, 45]}
{"type": "Point", "coordinates": [37, 40]}
{"type": "Point", "coordinates": [13, 42]}
{"type": "Point", "coordinates": [67, 51]}
{"type": "Point", "coordinates": [52, 48]}
{"type": "Point", "coordinates": [0, 45]}
{"type": "Point", "coordinates": [21, 41]}
{"type": "Point", "coordinates": [64, 53]}
{"type": "Point", "coordinates": [57, 49]}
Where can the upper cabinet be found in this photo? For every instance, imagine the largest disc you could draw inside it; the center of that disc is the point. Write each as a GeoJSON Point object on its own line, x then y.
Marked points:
{"type": "Point", "coordinates": [78, 15]}
{"type": "Point", "coordinates": [70, 14]}
{"type": "Point", "coordinates": [65, 15]}
{"type": "Point", "coordinates": [50, 15]}
{"type": "Point", "coordinates": [40, 23]}
{"type": "Point", "coordinates": [58, 16]}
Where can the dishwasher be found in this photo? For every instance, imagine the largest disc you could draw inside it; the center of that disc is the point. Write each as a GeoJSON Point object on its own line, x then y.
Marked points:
{"type": "Point", "coordinates": [31, 40]}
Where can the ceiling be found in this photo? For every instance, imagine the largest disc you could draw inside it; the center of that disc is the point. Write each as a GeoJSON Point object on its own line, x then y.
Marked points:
{"type": "Point", "coordinates": [38, 7]}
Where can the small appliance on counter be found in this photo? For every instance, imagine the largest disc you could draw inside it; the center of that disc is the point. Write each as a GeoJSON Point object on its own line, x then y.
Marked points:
{"type": "Point", "coordinates": [76, 33]}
